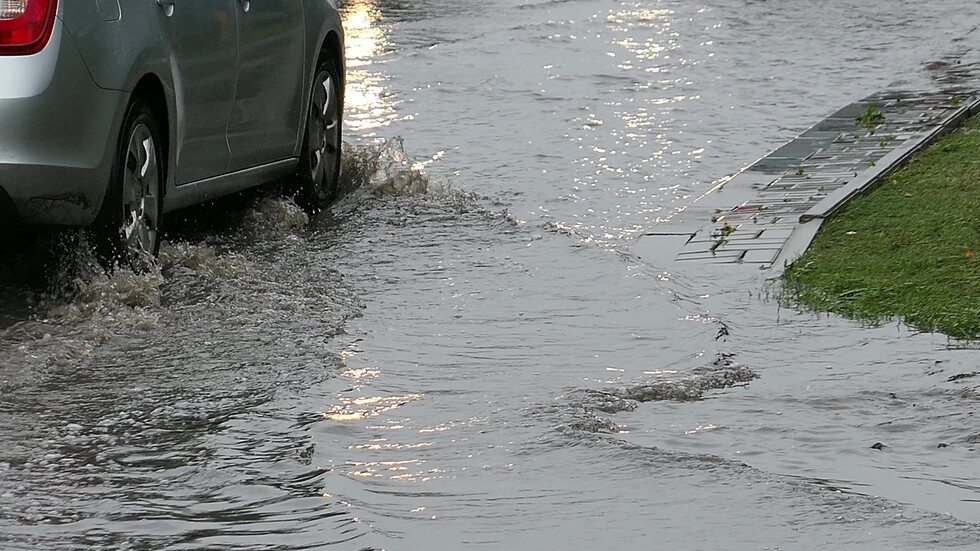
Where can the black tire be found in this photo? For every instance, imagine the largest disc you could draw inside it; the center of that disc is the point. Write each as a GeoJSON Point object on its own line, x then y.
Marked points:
{"type": "Point", "coordinates": [316, 183]}
{"type": "Point", "coordinates": [129, 223]}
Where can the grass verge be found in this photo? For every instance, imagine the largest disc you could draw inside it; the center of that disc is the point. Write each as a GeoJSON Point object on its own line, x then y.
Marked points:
{"type": "Point", "coordinates": [908, 250]}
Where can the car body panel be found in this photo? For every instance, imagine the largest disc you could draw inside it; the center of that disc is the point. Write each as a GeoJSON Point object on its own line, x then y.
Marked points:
{"type": "Point", "coordinates": [265, 115]}
{"type": "Point", "coordinates": [203, 38]}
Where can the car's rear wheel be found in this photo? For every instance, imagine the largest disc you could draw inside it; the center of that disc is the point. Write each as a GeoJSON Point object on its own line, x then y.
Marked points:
{"type": "Point", "coordinates": [316, 183]}
{"type": "Point", "coordinates": [129, 224]}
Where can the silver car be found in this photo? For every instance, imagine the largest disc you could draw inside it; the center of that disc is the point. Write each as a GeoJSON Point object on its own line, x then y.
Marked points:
{"type": "Point", "coordinates": [116, 112]}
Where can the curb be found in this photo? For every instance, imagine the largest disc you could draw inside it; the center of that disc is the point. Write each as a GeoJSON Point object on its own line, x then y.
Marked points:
{"type": "Point", "coordinates": [811, 221]}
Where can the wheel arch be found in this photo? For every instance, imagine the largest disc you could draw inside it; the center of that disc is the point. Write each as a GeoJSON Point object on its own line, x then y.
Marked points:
{"type": "Point", "coordinates": [151, 89]}
{"type": "Point", "coordinates": [332, 47]}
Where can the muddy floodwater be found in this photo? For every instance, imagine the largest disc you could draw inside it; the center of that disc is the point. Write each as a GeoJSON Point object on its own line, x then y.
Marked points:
{"type": "Point", "coordinates": [465, 352]}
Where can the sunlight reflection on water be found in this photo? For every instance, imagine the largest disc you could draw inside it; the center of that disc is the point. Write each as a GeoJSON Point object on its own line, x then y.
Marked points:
{"type": "Point", "coordinates": [368, 102]}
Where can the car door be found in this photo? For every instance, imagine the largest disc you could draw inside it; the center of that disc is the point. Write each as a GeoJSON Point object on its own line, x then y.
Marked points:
{"type": "Point", "coordinates": [202, 37]}
{"type": "Point", "coordinates": [265, 116]}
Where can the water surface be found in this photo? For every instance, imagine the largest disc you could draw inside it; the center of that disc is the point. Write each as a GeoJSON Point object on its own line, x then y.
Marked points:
{"type": "Point", "coordinates": [464, 352]}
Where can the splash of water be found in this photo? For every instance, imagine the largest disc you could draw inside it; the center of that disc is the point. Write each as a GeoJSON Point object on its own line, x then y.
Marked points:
{"type": "Point", "coordinates": [385, 169]}
{"type": "Point", "coordinates": [81, 292]}
{"type": "Point", "coordinates": [201, 259]}
{"type": "Point", "coordinates": [275, 215]}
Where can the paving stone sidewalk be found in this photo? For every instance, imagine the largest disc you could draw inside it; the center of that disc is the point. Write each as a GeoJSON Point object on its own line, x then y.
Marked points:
{"type": "Point", "coordinates": [766, 215]}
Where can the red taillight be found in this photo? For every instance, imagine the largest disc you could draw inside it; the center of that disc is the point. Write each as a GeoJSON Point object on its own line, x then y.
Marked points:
{"type": "Point", "coordinates": [25, 25]}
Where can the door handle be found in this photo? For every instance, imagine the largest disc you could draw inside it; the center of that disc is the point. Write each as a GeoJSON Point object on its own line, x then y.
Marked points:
{"type": "Point", "coordinates": [167, 6]}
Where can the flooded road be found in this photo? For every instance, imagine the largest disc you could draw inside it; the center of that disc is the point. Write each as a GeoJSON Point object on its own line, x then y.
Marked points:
{"type": "Point", "coordinates": [464, 352]}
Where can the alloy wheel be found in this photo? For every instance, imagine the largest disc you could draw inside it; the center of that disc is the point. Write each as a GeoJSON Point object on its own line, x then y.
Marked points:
{"type": "Point", "coordinates": [323, 140]}
{"type": "Point", "coordinates": [140, 195]}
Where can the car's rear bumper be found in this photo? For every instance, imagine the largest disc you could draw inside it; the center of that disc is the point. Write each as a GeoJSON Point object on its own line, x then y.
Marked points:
{"type": "Point", "coordinates": [57, 135]}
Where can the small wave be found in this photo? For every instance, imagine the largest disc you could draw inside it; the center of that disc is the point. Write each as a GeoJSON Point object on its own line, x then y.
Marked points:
{"type": "Point", "coordinates": [545, 4]}
{"type": "Point", "coordinates": [690, 388]}
{"type": "Point", "coordinates": [722, 373]}
{"type": "Point", "coordinates": [586, 410]}
{"type": "Point", "coordinates": [571, 415]}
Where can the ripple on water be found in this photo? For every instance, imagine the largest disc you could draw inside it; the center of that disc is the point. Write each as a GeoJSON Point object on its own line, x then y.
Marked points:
{"type": "Point", "coordinates": [156, 410]}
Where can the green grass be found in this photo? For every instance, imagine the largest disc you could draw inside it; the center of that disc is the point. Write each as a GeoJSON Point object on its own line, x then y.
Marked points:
{"type": "Point", "coordinates": [908, 250]}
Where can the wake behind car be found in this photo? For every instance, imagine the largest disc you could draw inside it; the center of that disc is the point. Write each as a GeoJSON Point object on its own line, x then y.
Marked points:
{"type": "Point", "coordinates": [116, 112]}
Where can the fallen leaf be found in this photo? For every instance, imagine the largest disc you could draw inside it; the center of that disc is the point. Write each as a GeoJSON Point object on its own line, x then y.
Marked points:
{"type": "Point", "coordinates": [969, 254]}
